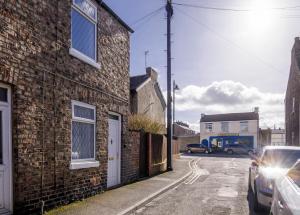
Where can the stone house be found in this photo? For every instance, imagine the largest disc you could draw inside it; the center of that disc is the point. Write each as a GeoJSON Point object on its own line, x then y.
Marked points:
{"type": "Point", "coordinates": [292, 98]}
{"type": "Point", "coordinates": [146, 97]}
{"type": "Point", "coordinates": [64, 102]}
{"type": "Point", "coordinates": [181, 129]}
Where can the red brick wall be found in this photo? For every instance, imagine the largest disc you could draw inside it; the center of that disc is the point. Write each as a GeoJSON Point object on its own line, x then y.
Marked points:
{"type": "Point", "coordinates": [130, 162]}
{"type": "Point", "coordinates": [293, 118]}
{"type": "Point", "coordinates": [35, 61]}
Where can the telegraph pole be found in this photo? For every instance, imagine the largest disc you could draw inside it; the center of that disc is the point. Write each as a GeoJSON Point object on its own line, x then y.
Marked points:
{"type": "Point", "coordinates": [169, 10]}
{"type": "Point", "coordinates": [175, 87]}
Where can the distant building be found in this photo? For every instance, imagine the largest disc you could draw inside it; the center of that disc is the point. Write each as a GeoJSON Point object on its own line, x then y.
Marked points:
{"type": "Point", "coordinates": [278, 137]}
{"type": "Point", "coordinates": [292, 98]}
{"type": "Point", "coordinates": [273, 137]}
{"type": "Point", "coordinates": [146, 96]}
{"type": "Point", "coordinates": [264, 137]}
{"type": "Point", "coordinates": [221, 129]}
{"type": "Point", "coordinates": [182, 129]}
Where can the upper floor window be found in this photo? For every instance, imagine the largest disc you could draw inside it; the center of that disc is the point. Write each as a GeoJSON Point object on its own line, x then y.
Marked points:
{"type": "Point", "coordinates": [208, 127]}
{"type": "Point", "coordinates": [225, 126]}
{"type": "Point", "coordinates": [244, 126]}
{"type": "Point", "coordinates": [293, 107]}
{"type": "Point", "coordinates": [84, 31]}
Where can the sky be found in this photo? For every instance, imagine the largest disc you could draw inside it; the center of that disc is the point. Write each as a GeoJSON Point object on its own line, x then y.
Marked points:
{"type": "Point", "coordinates": [223, 61]}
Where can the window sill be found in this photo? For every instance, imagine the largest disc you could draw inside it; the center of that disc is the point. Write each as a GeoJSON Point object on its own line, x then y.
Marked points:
{"type": "Point", "coordinates": [84, 164]}
{"type": "Point", "coordinates": [84, 58]}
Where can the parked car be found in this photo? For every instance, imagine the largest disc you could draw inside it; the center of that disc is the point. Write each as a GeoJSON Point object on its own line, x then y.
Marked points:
{"type": "Point", "coordinates": [272, 164]}
{"type": "Point", "coordinates": [197, 147]}
{"type": "Point", "coordinates": [238, 149]}
{"type": "Point", "coordinates": [286, 198]}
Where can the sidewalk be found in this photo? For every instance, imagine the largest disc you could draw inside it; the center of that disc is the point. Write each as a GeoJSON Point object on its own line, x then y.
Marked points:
{"type": "Point", "coordinates": [126, 198]}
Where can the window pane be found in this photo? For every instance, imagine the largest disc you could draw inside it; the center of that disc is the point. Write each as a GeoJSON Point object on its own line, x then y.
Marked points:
{"type": "Point", "coordinates": [82, 140]}
{"type": "Point", "coordinates": [83, 35]}
{"type": "Point", "coordinates": [84, 112]}
{"type": "Point", "coordinates": [244, 126]}
{"type": "Point", "coordinates": [1, 139]}
{"type": "Point", "coordinates": [225, 126]}
{"type": "Point", "coordinates": [114, 117]}
{"type": "Point", "coordinates": [87, 8]}
{"type": "Point", "coordinates": [3, 94]}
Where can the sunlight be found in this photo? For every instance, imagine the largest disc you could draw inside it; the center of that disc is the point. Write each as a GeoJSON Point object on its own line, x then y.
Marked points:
{"type": "Point", "coordinates": [260, 20]}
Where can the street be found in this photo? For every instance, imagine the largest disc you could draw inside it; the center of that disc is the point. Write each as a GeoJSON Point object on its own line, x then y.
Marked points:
{"type": "Point", "coordinates": [218, 185]}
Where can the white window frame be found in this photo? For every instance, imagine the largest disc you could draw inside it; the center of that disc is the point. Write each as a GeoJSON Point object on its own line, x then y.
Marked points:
{"type": "Point", "coordinates": [293, 105]}
{"type": "Point", "coordinates": [222, 127]}
{"type": "Point", "coordinates": [90, 162]}
{"type": "Point", "coordinates": [74, 52]}
{"type": "Point", "coordinates": [208, 129]}
{"type": "Point", "coordinates": [244, 122]}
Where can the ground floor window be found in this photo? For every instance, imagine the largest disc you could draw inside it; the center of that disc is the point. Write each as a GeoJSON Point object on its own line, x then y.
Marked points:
{"type": "Point", "coordinates": [83, 131]}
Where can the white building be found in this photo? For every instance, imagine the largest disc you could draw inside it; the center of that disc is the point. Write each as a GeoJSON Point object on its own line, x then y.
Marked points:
{"type": "Point", "coordinates": [278, 137]}
{"type": "Point", "coordinates": [233, 128]}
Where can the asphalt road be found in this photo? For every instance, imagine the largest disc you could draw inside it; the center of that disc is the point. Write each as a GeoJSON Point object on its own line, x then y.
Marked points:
{"type": "Point", "coordinates": [218, 186]}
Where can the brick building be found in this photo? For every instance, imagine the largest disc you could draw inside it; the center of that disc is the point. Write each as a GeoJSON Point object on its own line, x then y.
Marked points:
{"type": "Point", "coordinates": [181, 129]}
{"type": "Point", "coordinates": [292, 98]}
{"type": "Point", "coordinates": [146, 96]}
{"type": "Point", "coordinates": [64, 102]}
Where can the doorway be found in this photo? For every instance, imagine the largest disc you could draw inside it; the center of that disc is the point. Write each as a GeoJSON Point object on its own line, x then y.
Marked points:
{"type": "Point", "coordinates": [5, 150]}
{"type": "Point", "coordinates": [114, 150]}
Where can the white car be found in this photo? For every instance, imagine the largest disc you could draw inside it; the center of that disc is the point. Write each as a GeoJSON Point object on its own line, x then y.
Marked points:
{"type": "Point", "coordinates": [273, 163]}
{"type": "Point", "coordinates": [286, 198]}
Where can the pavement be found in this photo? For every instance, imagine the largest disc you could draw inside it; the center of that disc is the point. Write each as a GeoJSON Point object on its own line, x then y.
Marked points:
{"type": "Point", "coordinates": [217, 186]}
{"type": "Point", "coordinates": [128, 198]}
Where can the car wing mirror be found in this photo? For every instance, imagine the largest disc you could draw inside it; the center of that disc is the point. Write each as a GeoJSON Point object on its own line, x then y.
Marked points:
{"type": "Point", "coordinates": [254, 163]}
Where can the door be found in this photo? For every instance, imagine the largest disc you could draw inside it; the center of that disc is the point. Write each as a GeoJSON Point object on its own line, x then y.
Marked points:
{"type": "Point", "coordinates": [5, 150]}
{"type": "Point", "coordinates": [114, 148]}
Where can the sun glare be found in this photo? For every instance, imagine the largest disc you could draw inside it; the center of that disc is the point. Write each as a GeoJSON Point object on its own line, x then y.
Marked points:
{"type": "Point", "coordinates": [261, 18]}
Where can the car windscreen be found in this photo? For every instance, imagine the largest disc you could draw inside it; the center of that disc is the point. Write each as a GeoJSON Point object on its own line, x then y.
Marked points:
{"type": "Point", "coordinates": [284, 158]}
{"type": "Point", "coordinates": [294, 174]}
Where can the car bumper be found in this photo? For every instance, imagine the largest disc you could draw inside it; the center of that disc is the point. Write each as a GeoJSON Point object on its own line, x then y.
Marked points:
{"type": "Point", "coordinates": [265, 199]}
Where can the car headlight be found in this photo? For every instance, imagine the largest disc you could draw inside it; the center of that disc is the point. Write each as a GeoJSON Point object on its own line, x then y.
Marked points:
{"type": "Point", "coordinates": [267, 185]}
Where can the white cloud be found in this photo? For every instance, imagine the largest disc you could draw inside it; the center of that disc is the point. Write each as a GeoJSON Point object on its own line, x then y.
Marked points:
{"type": "Point", "coordinates": [227, 97]}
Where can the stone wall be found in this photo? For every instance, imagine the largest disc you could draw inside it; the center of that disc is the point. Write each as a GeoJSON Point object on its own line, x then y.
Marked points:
{"type": "Point", "coordinates": [292, 117]}
{"type": "Point", "coordinates": [35, 62]}
{"type": "Point", "coordinates": [148, 103]}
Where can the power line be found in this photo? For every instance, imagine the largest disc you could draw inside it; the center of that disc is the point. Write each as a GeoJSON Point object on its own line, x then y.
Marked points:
{"type": "Point", "coordinates": [231, 42]}
{"type": "Point", "coordinates": [147, 18]}
{"type": "Point", "coordinates": [211, 8]}
{"type": "Point", "coordinates": [232, 9]}
{"type": "Point", "coordinates": [147, 15]}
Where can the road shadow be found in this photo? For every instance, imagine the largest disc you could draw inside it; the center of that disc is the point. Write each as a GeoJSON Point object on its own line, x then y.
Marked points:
{"type": "Point", "coordinates": [250, 198]}
{"type": "Point", "coordinates": [217, 154]}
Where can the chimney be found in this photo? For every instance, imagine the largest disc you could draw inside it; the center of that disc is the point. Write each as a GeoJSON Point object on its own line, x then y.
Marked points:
{"type": "Point", "coordinates": [256, 110]}
{"type": "Point", "coordinates": [202, 115]}
{"type": "Point", "coordinates": [151, 73]}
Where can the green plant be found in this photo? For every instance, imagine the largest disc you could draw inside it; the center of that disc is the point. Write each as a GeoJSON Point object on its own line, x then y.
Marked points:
{"type": "Point", "coordinates": [142, 122]}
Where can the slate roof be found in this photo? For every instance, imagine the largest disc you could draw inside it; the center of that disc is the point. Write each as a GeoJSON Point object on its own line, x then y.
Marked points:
{"type": "Point", "coordinates": [230, 117]}
{"type": "Point", "coordinates": [136, 81]}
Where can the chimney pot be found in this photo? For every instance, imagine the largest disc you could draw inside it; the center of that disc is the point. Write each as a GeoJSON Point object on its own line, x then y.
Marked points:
{"type": "Point", "coordinates": [151, 73]}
